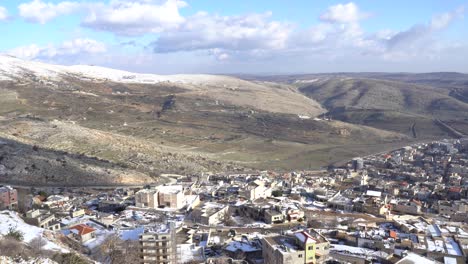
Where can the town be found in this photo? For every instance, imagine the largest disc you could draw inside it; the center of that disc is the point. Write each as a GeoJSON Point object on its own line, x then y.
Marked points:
{"type": "Point", "coordinates": [408, 205]}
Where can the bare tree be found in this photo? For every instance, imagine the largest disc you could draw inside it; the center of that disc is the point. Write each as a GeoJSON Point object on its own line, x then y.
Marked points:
{"type": "Point", "coordinates": [36, 244]}
{"type": "Point", "coordinates": [118, 251]}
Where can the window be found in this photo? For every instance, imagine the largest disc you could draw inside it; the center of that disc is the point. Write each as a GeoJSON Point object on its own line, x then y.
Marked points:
{"type": "Point", "coordinates": [311, 248]}
{"type": "Point", "coordinates": [300, 255]}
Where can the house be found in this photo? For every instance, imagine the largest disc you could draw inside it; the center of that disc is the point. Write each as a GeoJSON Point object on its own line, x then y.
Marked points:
{"type": "Point", "coordinates": [273, 216]}
{"type": "Point", "coordinates": [210, 213]}
{"type": "Point", "coordinates": [8, 198]}
{"type": "Point", "coordinates": [302, 247]}
{"type": "Point", "coordinates": [43, 219]}
{"type": "Point", "coordinates": [82, 233]}
{"type": "Point", "coordinates": [255, 190]}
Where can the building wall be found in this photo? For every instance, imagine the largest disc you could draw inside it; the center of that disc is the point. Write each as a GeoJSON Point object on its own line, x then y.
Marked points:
{"type": "Point", "coordinates": [156, 248]}
{"type": "Point", "coordinates": [8, 198]}
{"type": "Point", "coordinates": [321, 251]}
{"type": "Point", "coordinates": [172, 200]}
{"type": "Point", "coordinates": [275, 256]}
{"type": "Point", "coordinates": [146, 199]}
{"type": "Point", "coordinates": [408, 209]}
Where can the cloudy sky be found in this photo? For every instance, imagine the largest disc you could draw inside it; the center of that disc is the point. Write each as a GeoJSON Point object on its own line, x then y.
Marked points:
{"type": "Point", "coordinates": [240, 36]}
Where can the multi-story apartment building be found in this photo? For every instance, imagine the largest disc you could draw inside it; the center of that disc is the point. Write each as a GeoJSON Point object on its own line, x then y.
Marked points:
{"type": "Point", "coordinates": [8, 198]}
{"type": "Point", "coordinates": [159, 247]}
{"type": "Point", "coordinates": [164, 196]}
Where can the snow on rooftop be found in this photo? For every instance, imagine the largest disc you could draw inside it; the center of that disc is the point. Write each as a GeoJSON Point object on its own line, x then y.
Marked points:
{"type": "Point", "coordinates": [243, 246]}
{"type": "Point", "coordinates": [189, 252]}
{"type": "Point", "coordinates": [415, 258]}
{"type": "Point", "coordinates": [373, 193]}
{"type": "Point", "coordinates": [351, 250]}
{"type": "Point", "coordinates": [132, 234]}
{"type": "Point", "coordinates": [452, 247]}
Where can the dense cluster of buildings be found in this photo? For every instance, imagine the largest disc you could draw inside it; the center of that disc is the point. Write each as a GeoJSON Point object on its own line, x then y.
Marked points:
{"type": "Point", "coordinates": [409, 204]}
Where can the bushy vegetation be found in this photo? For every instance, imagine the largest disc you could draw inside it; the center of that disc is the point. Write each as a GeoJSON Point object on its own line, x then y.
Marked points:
{"type": "Point", "coordinates": [277, 193]}
{"type": "Point", "coordinates": [69, 258]}
{"type": "Point", "coordinates": [15, 234]}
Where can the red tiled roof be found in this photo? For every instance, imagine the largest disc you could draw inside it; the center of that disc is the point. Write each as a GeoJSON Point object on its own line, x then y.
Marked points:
{"type": "Point", "coordinates": [83, 229]}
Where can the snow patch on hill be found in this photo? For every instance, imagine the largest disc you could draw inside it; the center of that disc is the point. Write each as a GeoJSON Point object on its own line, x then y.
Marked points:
{"type": "Point", "coordinates": [12, 68]}
{"type": "Point", "coordinates": [9, 219]}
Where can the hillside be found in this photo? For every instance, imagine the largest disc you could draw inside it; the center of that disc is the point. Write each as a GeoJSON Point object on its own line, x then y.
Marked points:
{"type": "Point", "coordinates": [385, 95]}
{"type": "Point", "coordinates": [84, 127]}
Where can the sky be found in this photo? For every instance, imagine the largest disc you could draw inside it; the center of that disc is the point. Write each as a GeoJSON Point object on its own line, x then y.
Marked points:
{"type": "Point", "coordinates": [240, 36]}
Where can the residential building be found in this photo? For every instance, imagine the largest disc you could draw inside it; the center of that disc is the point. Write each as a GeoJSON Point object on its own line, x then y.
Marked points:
{"type": "Point", "coordinates": [8, 198]}
{"type": "Point", "coordinates": [43, 219]}
{"type": "Point", "coordinates": [256, 190]}
{"type": "Point", "coordinates": [159, 246]}
{"type": "Point", "coordinates": [303, 247]}
{"type": "Point", "coordinates": [82, 233]}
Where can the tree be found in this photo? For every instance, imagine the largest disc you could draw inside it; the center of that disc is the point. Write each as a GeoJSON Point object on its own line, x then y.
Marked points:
{"type": "Point", "coordinates": [117, 251]}
{"type": "Point", "coordinates": [36, 244]}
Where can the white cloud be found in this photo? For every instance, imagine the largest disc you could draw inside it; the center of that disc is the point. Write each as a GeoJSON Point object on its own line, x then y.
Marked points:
{"type": "Point", "coordinates": [419, 40]}
{"type": "Point", "coordinates": [135, 17]}
{"type": "Point", "coordinates": [3, 13]}
{"type": "Point", "coordinates": [26, 52]}
{"type": "Point", "coordinates": [70, 48]}
{"type": "Point", "coordinates": [235, 40]}
{"type": "Point", "coordinates": [38, 11]}
{"type": "Point", "coordinates": [441, 21]}
{"type": "Point", "coordinates": [343, 13]}
{"type": "Point", "coordinates": [232, 33]}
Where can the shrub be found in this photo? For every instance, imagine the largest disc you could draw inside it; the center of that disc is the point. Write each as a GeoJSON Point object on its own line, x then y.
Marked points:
{"type": "Point", "coordinates": [10, 247]}
{"type": "Point", "coordinates": [69, 258]}
{"type": "Point", "coordinates": [14, 233]}
{"type": "Point", "coordinates": [277, 193]}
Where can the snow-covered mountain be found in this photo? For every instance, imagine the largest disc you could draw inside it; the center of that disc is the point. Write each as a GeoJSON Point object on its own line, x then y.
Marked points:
{"type": "Point", "coordinates": [12, 68]}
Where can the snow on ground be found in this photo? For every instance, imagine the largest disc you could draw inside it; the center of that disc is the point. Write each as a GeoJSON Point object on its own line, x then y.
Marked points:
{"type": "Point", "coordinates": [189, 252]}
{"type": "Point", "coordinates": [12, 67]}
{"type": "Point", "coordinates": [11, 219]}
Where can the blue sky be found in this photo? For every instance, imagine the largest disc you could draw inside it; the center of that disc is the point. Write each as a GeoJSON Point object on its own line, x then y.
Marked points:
{"type": "Point", "coordinates": [215, 36]}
